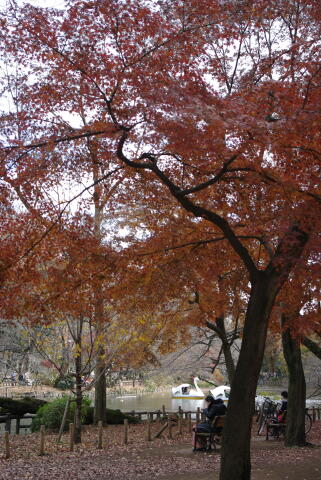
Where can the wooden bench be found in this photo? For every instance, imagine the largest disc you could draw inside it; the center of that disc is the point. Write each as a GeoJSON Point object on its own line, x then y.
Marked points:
{"type": "Point", "coordinates": [214, 437]}
{"type": "Point", "coordinates": [275, 428]}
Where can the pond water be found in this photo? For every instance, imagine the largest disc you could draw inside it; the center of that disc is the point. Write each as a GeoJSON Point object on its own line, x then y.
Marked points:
{"type": "Point", "coordinates": [155, 401]}
{"type": "Point", "coordinates": [152, 401]}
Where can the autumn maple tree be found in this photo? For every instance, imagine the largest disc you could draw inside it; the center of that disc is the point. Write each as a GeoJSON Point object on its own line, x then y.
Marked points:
{"type": "Point", "coordinates": [211, 104]}
{"type": "Point", "coordinates": [51, 295]}
{"type": "Point", "coordinates": [196, 277]}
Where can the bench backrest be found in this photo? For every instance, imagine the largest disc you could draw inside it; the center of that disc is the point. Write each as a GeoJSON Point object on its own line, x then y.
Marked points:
{"type": "Point", "coordinates": [218, 421]}
{"type": "Point", "coordinates": [282, 417]}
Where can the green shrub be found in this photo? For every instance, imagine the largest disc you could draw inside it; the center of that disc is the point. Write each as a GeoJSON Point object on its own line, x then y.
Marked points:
{"type": "Point", "coordinates": [64, 383]}
{"type": "Point", "coordinates": [51, 414]}
{"type": "Point", "coordinates": [113, 417]}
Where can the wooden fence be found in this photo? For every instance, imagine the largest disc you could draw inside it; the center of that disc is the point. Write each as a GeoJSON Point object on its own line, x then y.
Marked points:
{"type": "Point", "coordinates": [165, 420]}
{"type": "Point", "coordinates": [315, 413]}
{"type": "Point", "coordinates": [9, 419]}
{"type": "Point", "coordinates": [15, 423]}
{"type": "Point", "coordinates": [169, 421]}
{"type": "Point", "coordinates": [163, 413]}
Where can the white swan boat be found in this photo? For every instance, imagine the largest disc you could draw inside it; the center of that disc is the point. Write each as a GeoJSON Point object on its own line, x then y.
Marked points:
{"type": "Point", "coordinates": [223, 392]}
{"type": "Point", "coordinates": [186, 390]}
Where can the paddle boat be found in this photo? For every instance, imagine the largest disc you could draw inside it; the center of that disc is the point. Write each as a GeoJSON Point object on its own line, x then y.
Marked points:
{"type": "Point", "coordinates": [186, 390]}
{"type": "Point", "coordinates": [223, 392]}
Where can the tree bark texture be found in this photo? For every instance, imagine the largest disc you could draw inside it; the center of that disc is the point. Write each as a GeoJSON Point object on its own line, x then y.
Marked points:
{"type": "Point", "coordinates": [295, 428]}
{"type": "Point", "coordinates": [79, 395]}
{"type": "Point", "coordinates": [100, 374]}
{"type": "Point", "coordinates": [236, 462]}
{"type": "Point", "coordinates": [100, 370]}
{"type": "Point", "coordinates": [100, 389]}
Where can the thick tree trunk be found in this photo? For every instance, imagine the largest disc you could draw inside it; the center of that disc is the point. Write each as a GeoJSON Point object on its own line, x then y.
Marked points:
{"type": "Point", "coordinates": [295, 428]}
{"type": "Point", "coordinates": [236, 462]}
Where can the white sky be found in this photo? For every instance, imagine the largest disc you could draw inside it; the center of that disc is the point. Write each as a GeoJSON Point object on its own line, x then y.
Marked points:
{"type": "Point", "coordinates": [45, 3]}
{"type": "Point", "coordinates": [37, 3]}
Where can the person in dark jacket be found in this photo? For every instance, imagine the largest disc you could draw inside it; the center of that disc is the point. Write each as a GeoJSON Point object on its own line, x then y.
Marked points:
{"type": "Point", "coordinates": [215, 407]}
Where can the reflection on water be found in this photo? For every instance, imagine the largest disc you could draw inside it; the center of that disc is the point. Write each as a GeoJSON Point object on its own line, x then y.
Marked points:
{"type": "Point", "coordinates": [152, 402]}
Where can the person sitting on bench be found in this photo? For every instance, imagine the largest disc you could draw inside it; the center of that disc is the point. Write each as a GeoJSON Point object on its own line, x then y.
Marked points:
{"type": "Point", "coordinates": [214, 408]}
{"type": "Point", "coordinates": [284, 406]}
{"type": "Point", "coordinates": [281, 416]}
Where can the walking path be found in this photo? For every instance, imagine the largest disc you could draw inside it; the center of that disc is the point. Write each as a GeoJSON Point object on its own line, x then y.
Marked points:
{"type": "Point", "coordinates": [163, 459]}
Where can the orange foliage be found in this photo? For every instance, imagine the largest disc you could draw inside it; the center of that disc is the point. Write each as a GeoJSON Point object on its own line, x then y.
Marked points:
{"type": "Point", "coordinates": [206, 106]}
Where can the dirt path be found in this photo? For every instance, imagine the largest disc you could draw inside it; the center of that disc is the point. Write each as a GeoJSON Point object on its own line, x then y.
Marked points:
{"type": "Point", "coordinates": [270, 460]}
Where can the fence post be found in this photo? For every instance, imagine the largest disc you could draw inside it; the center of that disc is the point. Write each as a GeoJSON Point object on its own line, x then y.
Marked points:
{"type": "Point", "coordinates": [148, 435]}
{"type": "Point", "coordinates": [190, 422]}
{"type": "Point", "coordinates": [17, 426]}
{"type": "Point", "coordinates": [158, 415]}
{"type": "Point", "coordinates": [180, 423]}
{"type": "Point", "coordinates": [164, 411]}
{"type": "Point", "coordinates": [42, 440]}
{"type": "Point", "coordinates": [313, 414]}
{"type": "Point", "coordinates": [319, 413]}
{"type": "Point", "coordinates": [125, 431]}
{"type": "Point", "coordinates": [100, 434]}
{"type": "Point", "coordinates": [8, 424]}
{"type": "Point", "coordinates": [6, 445]}
{"type": "Point", "coordinates": [71, 436]}
{"type": "Point", "coordinates": [170, 427]}
{"type": "Point", "coordinates": [198, 414]}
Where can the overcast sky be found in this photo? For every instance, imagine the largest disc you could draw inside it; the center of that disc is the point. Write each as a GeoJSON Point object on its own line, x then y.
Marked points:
{"type": "Point", "coordinates": [47, 3]}
{"type": "Point", "coordinates": [38, 3]}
